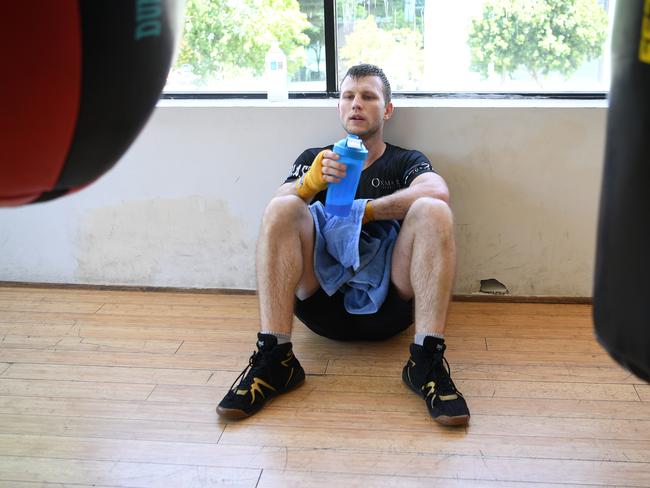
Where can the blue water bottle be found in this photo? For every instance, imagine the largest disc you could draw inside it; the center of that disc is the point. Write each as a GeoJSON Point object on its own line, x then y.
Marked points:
{"type": "Point", "coordinates": [340, 195]}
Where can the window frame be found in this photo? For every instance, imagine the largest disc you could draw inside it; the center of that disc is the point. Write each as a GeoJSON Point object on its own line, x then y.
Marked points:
{"type": "Point", "coordinates": [331, 81]}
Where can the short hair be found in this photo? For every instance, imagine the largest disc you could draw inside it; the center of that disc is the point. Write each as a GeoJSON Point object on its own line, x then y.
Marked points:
{"type": "Point", "coordinates": [363, 70]}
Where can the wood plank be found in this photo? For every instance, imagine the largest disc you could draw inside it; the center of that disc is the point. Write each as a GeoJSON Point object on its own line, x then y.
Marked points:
{"type": "Point", "coordinates": [153, 430]}
{"type": "Point", "coordinates": [108, 374]}
{"type": "Point", "coordinates": [456, 328]}
{"type": "Point", "coordinates": [42, 329]}
{"type": "Point", "coordinates": [544, 407]}
{"type": "Point", "coordinates": [162, 296]}
{"type": "Point", "coordinates": [129, 327]}
{"type": "Point", "coordinates": [283, 413]}
{"type": "Point", "coordinates": [464, 371]}
{"type": "Point", "coordinates": [529, 309]}
{"type": "Point", "coordinates": [42, 484]}
{"type": "Point", "coordinates": [208, 299]}
{"type": "Point", "coordinates": [328, 417]}
{"type": "Point", "coordinates": [112, 409]}
{"type": "Point", "coordinates": [438, 442]}
{"type": "Point", "coordinates": [390, 401]}
{"type": "Point", "coordinates": [35, 318]}
{"type": "Point", "coordinates": [539, 389]}
{"type": "Point", "coordinates": [182, 410]}
{"type": "Point", "coordinates": [388, 366]}
{"type": "Point", "coordinates": [328, 411]}
{"type": "Point", "coordinates": [132, 475]}
{"type": "Point", "coordinates": [534, 345]}
{"type": "Point", "coordinates": [260, 456]}
{"type": "Point", "coordinates": [143, 451]}
{"type": "Point", "coordinates": [473, 467]}
{"type": "Point", "coordinates": [123, 296]}
{"type": "Point", "coordinates": [229, 310]}
{"type": "Point", "coordinates": [392, 464]}
{"type": "Point", "coordinates": [564, 373]}
{"type": "Point", "coordinates": [176, 334]}
{"type": "Point", "coordinates": [272, 478]}
{"type": "Point", "coordinates": [45, 305]}
{"type": "Point", "coordinates": [234, 363]}
{"type": "Point", "coordinates": [75, 389]}
{"type": "Point", "coordinates": [474, 375]}
{"type": "Point", "coordinates": [88, 344]}
{"type": "Point", "coordinates": [541, 321]}
{"type": "Point", "coordinates": [325, 350]}
{"type": "Point", "coordinates": [29, 341]}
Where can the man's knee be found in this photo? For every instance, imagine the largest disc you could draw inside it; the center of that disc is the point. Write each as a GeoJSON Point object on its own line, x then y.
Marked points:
{"type": "Point", "coordinates": [285, 211]}
{"type": "Point", "coordinates": [427, 211]}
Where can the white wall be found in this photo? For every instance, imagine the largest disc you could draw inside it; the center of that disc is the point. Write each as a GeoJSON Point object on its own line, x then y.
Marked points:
{"type": "Point", "coordinates": [182, 207]}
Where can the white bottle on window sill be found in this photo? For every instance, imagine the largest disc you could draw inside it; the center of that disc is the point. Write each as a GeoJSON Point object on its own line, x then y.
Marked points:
{"type": "Point", "coordinates": [276, 74]}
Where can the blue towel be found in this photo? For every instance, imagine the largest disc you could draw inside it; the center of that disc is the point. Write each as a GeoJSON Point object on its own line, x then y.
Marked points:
{"type": "Point", "coordinates": [354, 260]}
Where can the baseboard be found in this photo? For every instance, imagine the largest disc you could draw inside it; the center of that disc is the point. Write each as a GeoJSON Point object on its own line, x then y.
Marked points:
{"type": "Point", "coordinates": [153, 289]}
{"type": "Point", "coordinates": [488, 297]}
{"type": "Point", "coordinates": [479, 297]}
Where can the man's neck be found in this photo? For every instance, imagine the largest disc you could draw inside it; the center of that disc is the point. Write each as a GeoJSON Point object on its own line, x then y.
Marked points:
{"type": "Point", "coordinates": [376, 146]}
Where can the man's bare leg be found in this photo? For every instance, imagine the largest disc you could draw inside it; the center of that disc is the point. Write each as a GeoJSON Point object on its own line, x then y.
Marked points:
{"type": "Point", "coordinates": [285, 261]}
{"type": "Point", "coordinates": [424, 262]}
{"type": "Point", "coordinates": [285, 252]}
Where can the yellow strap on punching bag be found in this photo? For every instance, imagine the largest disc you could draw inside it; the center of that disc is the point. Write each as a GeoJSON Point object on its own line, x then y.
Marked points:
{"type": "Point", "coordinates": [644, 45]}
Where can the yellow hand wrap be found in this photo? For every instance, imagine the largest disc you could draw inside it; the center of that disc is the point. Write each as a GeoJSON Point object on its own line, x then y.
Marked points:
{"type": "Point", "coordinates": [369, 213]}
{"type": "Point", "coordinates": [312, 182]}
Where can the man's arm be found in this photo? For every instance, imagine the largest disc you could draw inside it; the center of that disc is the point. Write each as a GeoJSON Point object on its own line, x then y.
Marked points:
{"type": "Point", "coordinates": [396, 205]}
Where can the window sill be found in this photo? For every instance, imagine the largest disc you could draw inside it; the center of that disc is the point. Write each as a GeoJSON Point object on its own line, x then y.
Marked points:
{"type": "Point", "coordinates": [398, 102]}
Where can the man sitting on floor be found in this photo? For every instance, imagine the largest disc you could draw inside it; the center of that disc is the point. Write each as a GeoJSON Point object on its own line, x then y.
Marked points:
{"type": "Point", "coordinates": [400, 186]}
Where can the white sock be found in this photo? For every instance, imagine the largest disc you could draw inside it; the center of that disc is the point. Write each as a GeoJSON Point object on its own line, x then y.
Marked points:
{"type": "Point", "coordinates": [419, 338]}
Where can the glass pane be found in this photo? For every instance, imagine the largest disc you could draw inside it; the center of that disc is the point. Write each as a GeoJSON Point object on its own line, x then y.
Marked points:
{"type": "Point", "coordinates": [479, 45]}
{"type": "Point", "coordinates": [225, 43]}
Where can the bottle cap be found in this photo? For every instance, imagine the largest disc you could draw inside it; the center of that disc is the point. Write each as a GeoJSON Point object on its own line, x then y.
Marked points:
{"type": "Point", "coordinates": [351, 147]}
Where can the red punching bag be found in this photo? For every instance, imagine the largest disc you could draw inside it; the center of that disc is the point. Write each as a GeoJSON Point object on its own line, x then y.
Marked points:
{"type": "Point", "coordinates": [79, 80]}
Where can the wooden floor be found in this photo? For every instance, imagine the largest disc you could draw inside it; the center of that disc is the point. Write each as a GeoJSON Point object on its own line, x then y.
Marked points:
{"type": "Point", "coordinates": [118, 389]}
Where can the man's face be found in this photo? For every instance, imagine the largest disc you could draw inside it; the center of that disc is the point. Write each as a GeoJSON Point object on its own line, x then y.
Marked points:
{"type": "Point", "coordinates": [362, 109]}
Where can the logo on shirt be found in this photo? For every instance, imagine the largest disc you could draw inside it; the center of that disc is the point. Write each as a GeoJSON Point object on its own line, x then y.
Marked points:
{"type": "Point", "coordinates": [386, 185]}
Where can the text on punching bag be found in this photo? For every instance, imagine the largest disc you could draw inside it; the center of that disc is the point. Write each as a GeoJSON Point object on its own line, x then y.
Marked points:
{"type": "Point", "coordinates": [147, 18]}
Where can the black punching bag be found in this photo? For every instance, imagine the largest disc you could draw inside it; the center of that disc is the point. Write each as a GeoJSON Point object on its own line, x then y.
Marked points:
{"type": "Point", "coordinates": [622, 275]}
{"type": "Point", "coordinates": [79, 80]}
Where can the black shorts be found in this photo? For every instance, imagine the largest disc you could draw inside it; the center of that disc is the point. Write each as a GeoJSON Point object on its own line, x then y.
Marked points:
{"type": "Point", "coordinates": [327, 317]}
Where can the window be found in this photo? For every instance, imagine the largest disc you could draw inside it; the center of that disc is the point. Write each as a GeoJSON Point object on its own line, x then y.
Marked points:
{"type": "Point", "coordinates": [425, 46]}
{"type": "Point", "coordinates": [225, 43]}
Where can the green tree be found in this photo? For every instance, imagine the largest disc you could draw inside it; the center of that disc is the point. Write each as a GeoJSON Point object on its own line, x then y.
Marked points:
{"type": "Point", "coordinates": [233, 36]}
{"type": "Point", "coordinates": [397, 51]}
{"type": "Point", "coordinates": [543, 36]}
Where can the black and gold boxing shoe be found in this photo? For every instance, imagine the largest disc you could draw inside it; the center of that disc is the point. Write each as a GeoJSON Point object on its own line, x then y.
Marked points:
{"type": "Point", "coordinates": [427, 373]}
{"type": "Point", "coordinates": [271, 370]}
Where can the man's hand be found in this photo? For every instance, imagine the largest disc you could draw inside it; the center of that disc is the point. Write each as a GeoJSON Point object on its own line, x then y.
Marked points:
{"type": "Point", "coordinates": [325, 169]}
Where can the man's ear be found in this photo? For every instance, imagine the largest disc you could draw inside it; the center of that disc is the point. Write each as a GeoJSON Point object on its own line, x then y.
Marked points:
{"type": "Point", "coordinates": [388, 111]}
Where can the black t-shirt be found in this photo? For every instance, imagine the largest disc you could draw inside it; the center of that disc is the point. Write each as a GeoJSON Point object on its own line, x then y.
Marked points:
{"type": "Point", "coordinates": [394, 170]}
